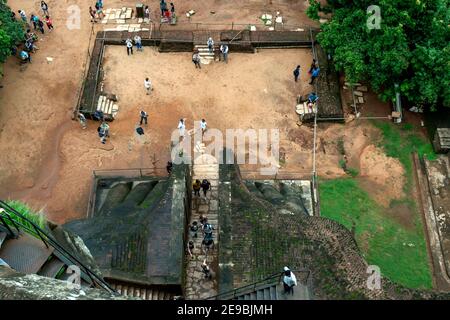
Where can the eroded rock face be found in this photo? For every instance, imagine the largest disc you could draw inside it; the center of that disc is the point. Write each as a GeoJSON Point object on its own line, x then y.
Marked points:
{"type": "Point", "coordinates": [18, 286]}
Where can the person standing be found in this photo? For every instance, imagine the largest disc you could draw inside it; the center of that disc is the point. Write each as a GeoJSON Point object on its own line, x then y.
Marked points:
{"type": "Point", "coordinates": [163, 7]}
{"type": "Point", "coordinates": [33, 21]}
{"type": "Point", "coordinates": [196, 59]}
{"type": "Point", "coordinates": [203, 126]}
{"type": "Point", "coordinates": [172, 9]}
{"type": "Point", "coordinates": [313, 66]}
{"type": "Point", "coordinates": [49, 23]}
{"type": "Point", "coordinates": [25, 56]}
{"type": "Point", "coordinates": [296, 73]}
{"type": "Point", "coordinates": [289, 281]}
{"type": "Point", "coordinates": [129, 44]}
{"type": "Point", "coordinates": [181, 127]}
{"type": "Point", "coordinates": [147, 13]}
{"type": "Point", "coordinates": [105, 128]}
{"type": "Point", "coordinates": [205, 186]}
{"type": "Point", "coordinates": [23, 16]}
{"type": "Point", "coordinates": [82, 120]}
{"type": "Point", "coordinates": [196, 187]}
{"type": "Point", "coordinates": [148, 85]}
{"type": "Point", "coordinates": [144, 117]}
{"type": "Point", "coordinates": [210, 44]}
{"type": "Point", "coordinates": [44, 7]}
{"type": "Point", "coordinates": [224, 51]}
{"type": "Point", "coordinates": [138, 41]}
{"type": "Point", "coordinates": [40, 25]}
{"type": "Point", "coordinates": [314, 74]}
{"type": "Point", "coordinates": [92, 13]}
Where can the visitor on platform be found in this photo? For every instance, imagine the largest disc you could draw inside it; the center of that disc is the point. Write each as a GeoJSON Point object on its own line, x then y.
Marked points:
{"type": "Point", "coordinates": [196, 187]}
{"type": "Point", "coordinates": [224, 52]}
{"type": "Point", "coordinates": [144, 117]}
{"type": "Point", "coordinates": [138, 41]}
{"type": "Point", "coordinates": [203, 125]}
{"type": "Point", "coordinates": [314, 74]}
{"type": "Point", "coordinates": [92, 12]}
{"type": "Point", "coordinates": [49, 23]}
{"type": "Point", "coordinates": [296, 73]}
{"type": "Point", "coordinates": [193, 229]}
{"type": "Point", "coordinates": [129, 44]}
{"type": "Point", "coordinates": [312, 97]}
{"type": "Point", "coordinates": [181, 128]}
{"type": "Point", "coordinates": [313, 66]}
{"type": "Point", "coordinates": [205, 186]}
{"type": "Point", "coordinates": [82, 120]}
{"type": "Point", "coordinates": [210, 44]}
{"type": "Point", "coordinates": [205, 270]}
{"type": "Point", "coordinates": [163, 7]}
{"type": "Point", "coordinates": [190, 248]}
{"type": "Point", "coordinates": [44, 7]}
{"type": "Point", "coordinates": [148, 85]}
{"type": "Point", "coordinates": [25, 56]}
{"type": "Point", "coordinates": [23, 16]}
{"type": "Point", "coordinates": [289, 281]}
{"type": "Point", "coordinates": [196, 59]}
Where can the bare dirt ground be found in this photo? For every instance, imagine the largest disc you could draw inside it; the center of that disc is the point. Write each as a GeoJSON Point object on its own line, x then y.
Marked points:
{"type": "Point", "coordinates": [47, 160]}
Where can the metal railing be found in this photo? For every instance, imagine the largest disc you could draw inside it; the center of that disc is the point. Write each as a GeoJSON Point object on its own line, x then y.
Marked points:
{"type": "Point", "coordinates": [31, 228]}
{"type": "Point", "coordinates": [272, 279]}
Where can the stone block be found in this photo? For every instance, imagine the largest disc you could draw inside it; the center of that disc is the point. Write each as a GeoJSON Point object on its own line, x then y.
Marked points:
{"type": "Point", "coordinates": [360, 100]}
{"type": "Point", "coordinates": [362, 88]}
{"type": "Point", "coordinates": [358, 93]}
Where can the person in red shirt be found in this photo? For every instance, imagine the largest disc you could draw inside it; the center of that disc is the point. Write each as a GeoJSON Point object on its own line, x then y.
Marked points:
{"type": "Point", "coordinates": [49, 23]}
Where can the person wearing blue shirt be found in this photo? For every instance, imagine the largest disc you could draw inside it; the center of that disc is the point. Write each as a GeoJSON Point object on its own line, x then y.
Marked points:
{"type": "Point", "coordinates": [312, 97]}
{"type": "Point", "coordinates": [314, 74]}
{"type": "Point", "coordinates": [25, 56]}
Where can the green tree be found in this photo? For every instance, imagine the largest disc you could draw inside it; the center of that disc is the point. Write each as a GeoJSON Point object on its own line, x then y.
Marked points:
{"type": "Point", "coordinates": [411, 47]}
{"type": "Point", "coordinates": [11, 32]}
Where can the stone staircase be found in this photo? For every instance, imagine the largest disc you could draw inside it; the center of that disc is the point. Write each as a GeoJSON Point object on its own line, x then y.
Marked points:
{"type": "Point", "coordinates": [276, 292]}
{"type": "Point", "coordinates": [206, 57]}
{"type": "Point", "coordinates": [29, 255]}
{"type": "Point", "coordinates": [129, 289]}
{"type": "Point", "coordinates": [197, 287]}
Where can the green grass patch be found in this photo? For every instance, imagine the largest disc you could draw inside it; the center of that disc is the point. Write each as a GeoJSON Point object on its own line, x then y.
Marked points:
{"type": "Point", "coordinates": [400, 253]}
{"type": "Point", "coordinates": [399, 141]}
{"type": "Point", "coordinates": [36, 217]}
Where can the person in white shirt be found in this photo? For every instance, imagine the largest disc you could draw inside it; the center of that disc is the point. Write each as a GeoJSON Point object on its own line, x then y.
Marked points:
{"type": "Point", "coordinates": [181, 127]}
{"type": "Point", "coordinates": [289, 281]}
{"type": "Point", "coordinates": [148, 85]}
{"type": "Point", "coordinates": [129, 44]}
{"type": "Point", "coordinates": [138, 42]}
{"type": "Point", "coordinates": [203, 126]}
{"type": "Point", "coordinates": [210, 44]}
{"type": "Point", "coordinates": [224, 51]}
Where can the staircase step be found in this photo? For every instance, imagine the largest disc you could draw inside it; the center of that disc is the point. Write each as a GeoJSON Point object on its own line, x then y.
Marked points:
{"type": "Point", "coordinates": [260, 295]}
{"type": "Point", "coordinates": [2, 237]}
{"type": "Point", "coordinates": [51, 268]}
{"type": "Point", "coordinates": [266, 294]}
{"type": "Point", "coordinates": [25, 254]}
{"type": "Point", "coordinates": [273, 293]}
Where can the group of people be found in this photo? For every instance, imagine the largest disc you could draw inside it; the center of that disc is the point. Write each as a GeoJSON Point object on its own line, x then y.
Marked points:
{"type": "Point", "coordinates": [314, 71]}
{"type": "Point", "coordinates": [96, 13]}
{"type": "Point", "coordinates": [182, 127]}
{"type": "Point", "coordinates": [166, 13]}
{"type": "Point", "coordinates": [129, 44]}
{"type": "Point", "coordinates": [223, 53]}
{"type": "Point", "coordinates": [29, 44]}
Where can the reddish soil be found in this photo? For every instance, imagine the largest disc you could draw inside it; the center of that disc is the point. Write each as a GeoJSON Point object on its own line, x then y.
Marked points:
{"type": "Point", "coordinates": [47, 159]}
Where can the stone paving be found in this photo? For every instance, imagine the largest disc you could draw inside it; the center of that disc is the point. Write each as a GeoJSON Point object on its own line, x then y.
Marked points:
{"type": "Point", "coordinates": [197, 287]}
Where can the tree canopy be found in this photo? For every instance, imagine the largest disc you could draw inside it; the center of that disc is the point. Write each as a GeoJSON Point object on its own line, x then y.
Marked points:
{"type": "Point", "coordinates": [410, 47]}
{"type": "Point", "coordinates": [11, 32]}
